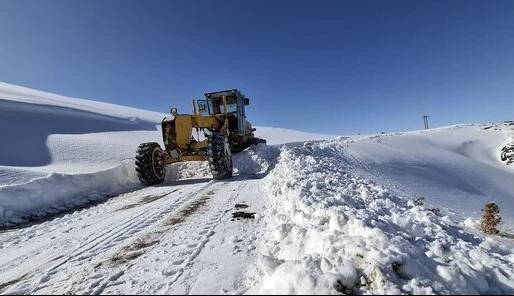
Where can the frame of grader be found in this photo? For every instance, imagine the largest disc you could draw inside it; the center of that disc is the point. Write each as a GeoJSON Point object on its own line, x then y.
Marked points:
{"type": "Point", "coordinates": [221, 129]}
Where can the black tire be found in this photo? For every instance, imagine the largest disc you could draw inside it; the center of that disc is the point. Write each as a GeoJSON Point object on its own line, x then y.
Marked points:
{"type": "Point", "coordinates": [149, 167]}
{"type": "Point", "coordinates": [220, 156]}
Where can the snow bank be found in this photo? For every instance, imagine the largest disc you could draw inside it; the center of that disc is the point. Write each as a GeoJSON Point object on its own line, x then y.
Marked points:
{"type": "Point", "coordinates": [255, 161]}
{"type": "Point", "coordinates": [330, 231]}
{"type": "Point", "coordinates": [60, 192]}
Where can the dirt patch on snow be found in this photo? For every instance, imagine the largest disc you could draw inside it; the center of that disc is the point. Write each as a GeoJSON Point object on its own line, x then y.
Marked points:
{"type": "Point", "coordinates": [146, 199]}
{"type": "Point", "coordinates": [240, 206]}
{"type": "Point", "coordinates": [140, 246]}
{"type": "Point", "coordinates": [7, 284]}
{"type": "Point", "coordinates": [135, 249]}
{"type": "Point", "coordinates": [243, 215]}
{"type": "Point", "coordinates": [187, 211]}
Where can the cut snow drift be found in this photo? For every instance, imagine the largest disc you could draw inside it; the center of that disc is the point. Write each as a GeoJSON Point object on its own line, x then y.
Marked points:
{"type": "Point", "coordinates": [331, 232]}
{"type": "Point", "coordinates": [60, 192]}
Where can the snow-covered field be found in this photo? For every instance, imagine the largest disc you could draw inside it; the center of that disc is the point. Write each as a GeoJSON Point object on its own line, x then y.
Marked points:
{"type": "Point", "coordinates": [392, 213]}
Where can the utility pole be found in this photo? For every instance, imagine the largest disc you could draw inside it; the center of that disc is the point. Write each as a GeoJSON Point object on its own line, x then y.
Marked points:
{"type": "Point", "coordinates": [425, 121]}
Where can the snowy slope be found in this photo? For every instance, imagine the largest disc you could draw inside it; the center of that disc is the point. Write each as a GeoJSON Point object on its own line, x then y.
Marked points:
{"type": "Point", "coordinates": [457, 167]}
{"type": "Point", "coordinates": [29, 96]}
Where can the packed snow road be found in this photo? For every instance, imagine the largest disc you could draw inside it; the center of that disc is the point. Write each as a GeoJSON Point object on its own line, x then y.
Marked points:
{"type": "Point", "coordinates": [166, 239]}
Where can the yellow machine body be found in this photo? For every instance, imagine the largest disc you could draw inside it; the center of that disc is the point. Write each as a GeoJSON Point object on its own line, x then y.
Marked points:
{"type": "Point", "coordinates": [185, 135]}
{"type": "Point", "coordinates": [216, 129]}
{"type": "Point", "coordinates": [179, 140]}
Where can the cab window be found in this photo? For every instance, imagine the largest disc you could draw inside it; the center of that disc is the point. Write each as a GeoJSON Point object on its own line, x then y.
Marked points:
{"type": "Point", "coordinates": [216, 105]}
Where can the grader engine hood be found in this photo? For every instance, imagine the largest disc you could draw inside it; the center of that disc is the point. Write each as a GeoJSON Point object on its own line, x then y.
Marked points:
{"type": "Point", "coordinates": [176, 132]}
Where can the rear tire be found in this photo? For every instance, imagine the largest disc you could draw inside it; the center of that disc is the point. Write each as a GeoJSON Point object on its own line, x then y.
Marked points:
{"type": "Point", "coordinates": [149, 164]}
{"type": "Point", "coordinates": [220, 156]}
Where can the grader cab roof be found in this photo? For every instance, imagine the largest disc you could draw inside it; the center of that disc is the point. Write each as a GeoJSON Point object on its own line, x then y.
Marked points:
{"type": "Point", "coordinates": [229, 92]}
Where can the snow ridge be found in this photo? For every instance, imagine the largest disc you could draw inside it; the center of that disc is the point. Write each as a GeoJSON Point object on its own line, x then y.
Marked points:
{"type": "Point", "coordinates": [57, 192]}
{"type": "Point", "coordinates": [330, 231]}
{"type": "Point", "coordinates": [15, 93]}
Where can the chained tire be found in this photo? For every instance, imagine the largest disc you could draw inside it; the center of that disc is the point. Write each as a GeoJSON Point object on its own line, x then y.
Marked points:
{"type": "Point", "coordinates": [220, 156]}
{"type": "Point", "coordinates": [149, 164]}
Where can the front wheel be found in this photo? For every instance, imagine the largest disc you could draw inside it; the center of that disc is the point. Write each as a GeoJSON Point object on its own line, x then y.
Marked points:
{"type": "Point", "coordinates": [150, 166]}
{"type": "Point", "coordinates": [220, 156]}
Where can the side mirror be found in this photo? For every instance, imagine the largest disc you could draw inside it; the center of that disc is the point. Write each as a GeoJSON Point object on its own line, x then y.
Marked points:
{"type": "Point", "coordinates": [247, 101]}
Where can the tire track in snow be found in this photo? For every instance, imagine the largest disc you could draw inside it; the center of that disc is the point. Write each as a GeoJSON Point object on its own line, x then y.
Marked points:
{"type": "Point", "coordinates": [108, 238]}
{"type": "Point", "coordinates": [26, 232]}
{"type": "Point", "coordinates": [132, 224]}
{"type": "Point", "coordinates": [204, 238]}
{"type": "Point", "coordinates": [109, 275]}
{"type": "Point", "coordinates": [24, 257]}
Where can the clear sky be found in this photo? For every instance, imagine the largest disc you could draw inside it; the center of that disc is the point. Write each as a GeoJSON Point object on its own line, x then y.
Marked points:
{"type": "Point", "coordinates": [322, 66]}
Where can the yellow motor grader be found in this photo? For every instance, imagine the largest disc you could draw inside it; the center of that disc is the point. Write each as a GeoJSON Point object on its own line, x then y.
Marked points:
{"type": "Point", "coordinates": [221, 129]}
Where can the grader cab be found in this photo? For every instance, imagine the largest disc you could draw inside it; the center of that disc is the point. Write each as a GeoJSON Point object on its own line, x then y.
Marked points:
{"type": "Point", "coordinates": [216, 129]}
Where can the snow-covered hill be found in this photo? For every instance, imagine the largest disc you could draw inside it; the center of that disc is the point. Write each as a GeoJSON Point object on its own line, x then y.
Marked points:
{"type": "Point", "coordinates": [392, 213]}
{"type": "Point", "coordinates": [456, 167]}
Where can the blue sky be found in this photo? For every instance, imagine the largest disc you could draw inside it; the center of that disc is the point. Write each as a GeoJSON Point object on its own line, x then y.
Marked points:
{"type": "Point", "coordinates": [322, 66]}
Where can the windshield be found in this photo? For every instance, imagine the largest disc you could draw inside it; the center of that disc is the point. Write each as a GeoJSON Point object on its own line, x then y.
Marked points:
{"type": "Point", "coordinates": [216, 105]}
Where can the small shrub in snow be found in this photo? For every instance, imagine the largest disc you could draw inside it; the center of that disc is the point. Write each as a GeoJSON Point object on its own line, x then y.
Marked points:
{"type": "Point", "coordinates": [419, 201]}
{"type": "Point", "coordinates": [436, 211]}
{"type": "Point", "coordinates": [491, 218]}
